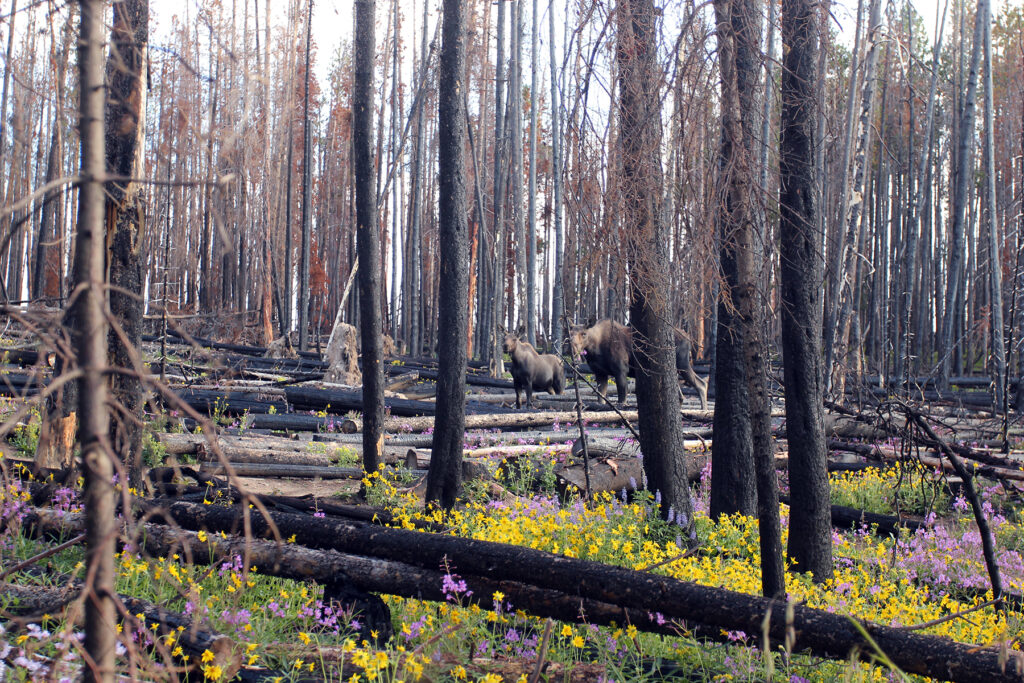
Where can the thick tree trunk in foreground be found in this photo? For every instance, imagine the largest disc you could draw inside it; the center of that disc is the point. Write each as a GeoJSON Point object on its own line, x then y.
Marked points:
{"type": "Point", "coordinates": [818, 631]}
{"type": "Point", "coordinates": [90, 339]}
{"type": "Point", "coordinates": [738, 39]}
{"type": "Point", "coordinates": [810, 539]}
{"type": "Point", "coordinates": [370, 327]}
{"type": "Point", "coordinates": [733, 483]}
{"type": "Point", "coordinates": [657, 391]}
{"type": "Point", "coordinates": [125, 218]}
{"type": "Point", "coordinates": [444, 481]}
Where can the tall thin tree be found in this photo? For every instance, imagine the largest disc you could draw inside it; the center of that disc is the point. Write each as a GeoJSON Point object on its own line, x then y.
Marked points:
{"type": "Point", "coordinates": [368, 239]}
{"type": "Point", "coordinates": [444, 480]}
{"type": "Point", "coordinates": [995, 262]}
{"type": "Point", "coordinates": [958, 219]}
{"type": "Point", "coordinates": [90, 338]}
{"type": "Point", "coordinates": [307, 190]}
{"type": "Point", "coordinates": [125, 215]}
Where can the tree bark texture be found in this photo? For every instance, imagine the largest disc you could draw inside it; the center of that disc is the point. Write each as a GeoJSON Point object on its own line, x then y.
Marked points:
{"type": "Point", "coordinates": [368, 237]}
{"type": "Point", "coordinates": [125, 224]}
{"type": "Point", "coordinates": [90, 339]}
{"type": "Point", "coordinates": [444, 481]}
{"type": "Point", "coordinates": [733, 489]}
{"type": "Point", "coordinates": [800, 265]}
{"type": "Point", "coordinates": [739, 40]}
{"type": "Point", "coordinates": [657, 389]}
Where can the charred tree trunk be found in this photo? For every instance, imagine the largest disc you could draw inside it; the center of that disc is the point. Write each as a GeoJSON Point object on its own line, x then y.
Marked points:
{"type": "Point", "coordinates": [444, 480]}
{"type": "Point", "coordinates": [125, 217]}
{"type": "Point", "coordinates": [368, 239]}
{"type": "Point", "coordinates": [800, 265]}
{"type": "Point", "coordinates": [739, 40]}
{"type": "Point", "coordinates": [531, 235]}
{"type": "Point", "coordinates": [657, 392]}
{"type": "Point", "coordinates": [307, 189]}
{"type": "Point", "coordinates": [90, 339]}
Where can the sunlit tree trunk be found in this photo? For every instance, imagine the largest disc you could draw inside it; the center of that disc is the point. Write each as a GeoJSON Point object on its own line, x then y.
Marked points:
{"type": "Point", "coordinates": [125, 216]}
{"type": "Point", "coordinates": [90, 337]}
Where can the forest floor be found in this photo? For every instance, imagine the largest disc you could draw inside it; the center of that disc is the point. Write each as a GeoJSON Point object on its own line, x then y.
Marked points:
{"type": "Point", "coordinates": [252, 620]}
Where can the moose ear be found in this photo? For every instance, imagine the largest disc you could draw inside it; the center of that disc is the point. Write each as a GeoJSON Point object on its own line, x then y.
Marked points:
{"type": "Point", "coordinates": [501, 328]}
{"type": "Point", "coordinates": [521, 330]}
{"type": "Point", "coordinates": [591, 321]}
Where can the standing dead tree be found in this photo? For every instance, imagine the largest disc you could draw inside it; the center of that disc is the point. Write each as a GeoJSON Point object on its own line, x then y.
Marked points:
{"type": "Point", "coordinates": [444, 480]}
{"type": "Point", "coordinates": [741, 346]}
{"type": "Point", "coordinates": [90, 337]}
{"type": "Point", "coordinates": [368, 240]}
{"type": "Point", "coordinates": [657, 392]}
{"type": "Point", "coordinates": [800, 265]}
{"type": "Point", "coordinates": [125, 217]}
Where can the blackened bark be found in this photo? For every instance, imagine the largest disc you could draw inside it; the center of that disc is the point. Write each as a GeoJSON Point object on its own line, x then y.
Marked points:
{"type": "Point", "coordinates": [815, 630]}
{"type": "Point", "coordinates": [657, 392]}
{"type": "Point", "coordinates": [738, 49]}
{"type": "Point", "coordinates": [125, 214]}
{"type": "Point", "coordinates": [733, 483]}
{"type": "Point", "coordinates": [307, 190]}
{"type": "Point", "coordinates": [444, 480]}
{"type": "Point", "coordinates": [370, 327]}
{"type": "Point", "coordinates": [557, 296]}
{"type": "Point", "coordinates": [800, 265]}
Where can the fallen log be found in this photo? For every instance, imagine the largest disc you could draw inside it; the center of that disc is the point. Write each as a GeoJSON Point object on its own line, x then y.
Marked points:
{"type": "Point", "coordinates": [370, 574]}
{"type": "Point", "coordinates": [506, 420]}
{"type": "Point", "coordinates": [885, 525]}
{"type": "Point", "coordinates": [281, 470]}
{"type": "Point", "coordinates": [817, 631]}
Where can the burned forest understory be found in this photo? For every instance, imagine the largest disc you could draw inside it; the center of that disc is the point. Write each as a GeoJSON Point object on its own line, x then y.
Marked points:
{"type": "Point", "coordinates": [511, 341]}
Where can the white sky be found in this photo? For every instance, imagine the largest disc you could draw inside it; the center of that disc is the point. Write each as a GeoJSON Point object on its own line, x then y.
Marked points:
{"type": "Point", "coordinates": [333, 19]}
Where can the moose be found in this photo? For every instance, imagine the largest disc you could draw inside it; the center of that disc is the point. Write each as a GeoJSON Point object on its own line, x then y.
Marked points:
{"type": "Point", "coordinates": [532, 371]}
{"type": "Point", "coordinates": [609, 352]}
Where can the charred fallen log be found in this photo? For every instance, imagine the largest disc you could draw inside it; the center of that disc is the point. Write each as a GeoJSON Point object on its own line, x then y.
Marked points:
{"type": "Point", "coordinates": [814, 630]}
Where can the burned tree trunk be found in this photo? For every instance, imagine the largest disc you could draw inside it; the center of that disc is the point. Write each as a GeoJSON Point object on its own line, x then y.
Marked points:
{"type": "Point", "coordinates": [444, 480]}
{"type": "Point", "coordinates": [810, 540]}
{"type": "Point", "coordinates": [738, 36]}
{"type": "Point", "coordinates": [368, 239]}
{"type": "Point", "coordinates": [125, 216]}
{"type": "Point", "coordinates": [657, 391]}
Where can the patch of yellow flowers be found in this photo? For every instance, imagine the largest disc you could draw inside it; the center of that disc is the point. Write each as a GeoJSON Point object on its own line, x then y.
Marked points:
{"type": "Point", "coordinates": [867, 584]}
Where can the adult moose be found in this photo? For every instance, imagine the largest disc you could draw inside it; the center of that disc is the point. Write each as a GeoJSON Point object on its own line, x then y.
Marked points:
{"type": "Point", "coordinates": [609, 353]}
{"type": "Point", "coordinates": [532, 371]}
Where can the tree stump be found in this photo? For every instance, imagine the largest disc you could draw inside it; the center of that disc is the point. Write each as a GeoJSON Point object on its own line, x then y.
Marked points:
{"type": "Point", "coordinates": [343, 356]}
